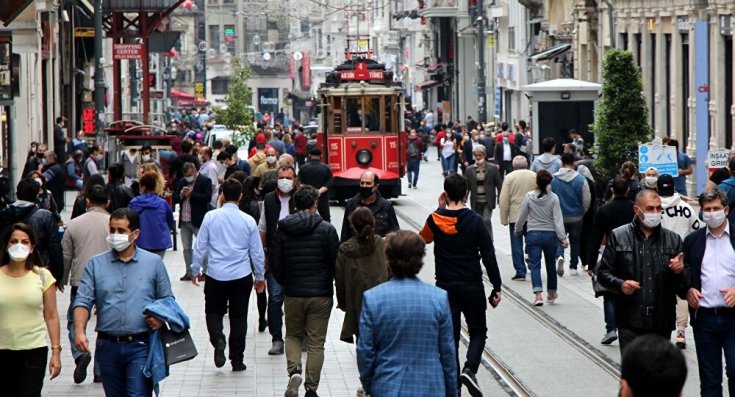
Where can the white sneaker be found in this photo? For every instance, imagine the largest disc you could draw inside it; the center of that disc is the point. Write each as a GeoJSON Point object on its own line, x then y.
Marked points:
{"type": "Point", "coordinates": [573, 272]}
{"type": "Point", "coordinates": [560, 266]}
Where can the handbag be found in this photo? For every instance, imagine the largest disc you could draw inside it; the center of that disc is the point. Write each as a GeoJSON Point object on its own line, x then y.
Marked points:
{"type": "Point", "coordinates": [177, 346]}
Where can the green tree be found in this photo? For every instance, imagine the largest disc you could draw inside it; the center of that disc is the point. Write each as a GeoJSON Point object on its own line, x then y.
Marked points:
{"type": "Point", "coordinates": [621, 118]}
{"type": "Point", "coordinates": [238, 115]}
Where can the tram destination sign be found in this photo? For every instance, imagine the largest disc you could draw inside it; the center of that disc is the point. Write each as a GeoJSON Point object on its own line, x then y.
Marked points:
{"type": "Point", "coordinates": [361, 72]}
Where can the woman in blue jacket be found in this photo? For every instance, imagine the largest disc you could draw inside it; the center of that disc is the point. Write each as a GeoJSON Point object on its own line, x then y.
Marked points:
{"type": "Point", "coordinates": [156, 217]}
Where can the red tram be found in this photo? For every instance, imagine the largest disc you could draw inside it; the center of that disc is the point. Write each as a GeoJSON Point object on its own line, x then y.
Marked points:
{"type": "Point", "coordinates": [361, 127]}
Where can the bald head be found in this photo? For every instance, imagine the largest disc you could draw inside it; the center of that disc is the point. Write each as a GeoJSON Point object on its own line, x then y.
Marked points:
{"type": "Point", "coordinates": [286, 160]}
{"type": "Point", "coordinates": [645, 195]}
{"type": "Point", "coordinates": [369, 178]}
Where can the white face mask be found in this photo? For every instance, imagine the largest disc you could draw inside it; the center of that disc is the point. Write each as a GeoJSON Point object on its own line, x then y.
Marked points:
{"type": "Point", "coordinates": [285, 185]}
{"type": "Point", "coordinates": [19, 252]}
{"type": "Point", "coordinates": [651, 181]}
{"type": "Point", "coordinates": [651, 220]}
{"type": "Point", "coordinates": [39, 181]}
{"type": "Point", "coordinates": [480, 161]}
{"type": "Point", "coordinates": [146, 158]}
{"type": "Point", "coordinates": [270, 159]}
{"type": "Point", "coordinates": [190, 179]}
{"type": "Point", "coordinates": [714, 219]}
{"type": "Point", "coordinates": [118, 242]}
{"type": "Point", "coordinates": [99, 157]}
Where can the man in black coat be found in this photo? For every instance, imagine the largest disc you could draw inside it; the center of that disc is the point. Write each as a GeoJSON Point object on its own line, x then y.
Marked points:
{"type": "Point", "coordinates": [643, 264]}
{"type": "Point", "coordinates": [382, 209]}
{"type": "Point", "coordinates": [60, 138]}
{"type": "Point", "coordinates": [193, 192]}
{"type": "Point", "coordinates": [120, 195]}
{"type": "Point", "coordinates": [55, 178]}
{"type": "Point", "coordinates": [505, 151]}
{"type": "Point", "coordinates": [318, 175]}
{"type": "Point", "coordinates": [35, 162]}
{"type": "Point", "coordinates": [303, 256]}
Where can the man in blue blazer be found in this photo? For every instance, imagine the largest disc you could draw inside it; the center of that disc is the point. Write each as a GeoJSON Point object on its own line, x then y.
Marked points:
{"type": "Point", "coordinates": [400, 354]}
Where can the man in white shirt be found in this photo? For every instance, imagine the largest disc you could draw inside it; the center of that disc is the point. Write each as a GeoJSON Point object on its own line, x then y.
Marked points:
{"type": "Point", "coordinates": [209, 169]}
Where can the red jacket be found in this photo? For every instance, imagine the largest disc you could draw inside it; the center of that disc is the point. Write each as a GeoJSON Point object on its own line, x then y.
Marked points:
{"type": "Point", "coordinates": [499, 138]}
{"type": "Point", "coordinates": [300, 142]}
{"type": "Point", "coordinates": [438, 137]}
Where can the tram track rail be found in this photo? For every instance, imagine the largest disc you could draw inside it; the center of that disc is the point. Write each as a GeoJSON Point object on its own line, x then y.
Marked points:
{"type": "Point", "coordinates": [502, 372]}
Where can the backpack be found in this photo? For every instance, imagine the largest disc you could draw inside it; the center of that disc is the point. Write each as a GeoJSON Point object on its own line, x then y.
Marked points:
{"type": "Point", "coordinates": [9, 216]}
{"type": "Point", "coordinates": [413, 148]}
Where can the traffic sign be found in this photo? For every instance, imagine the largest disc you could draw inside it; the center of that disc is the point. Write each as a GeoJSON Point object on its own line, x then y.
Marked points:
{"type": "Point", "coordinates": [717, 158]}
{"type": "Point", "coordinates": [663, 158]}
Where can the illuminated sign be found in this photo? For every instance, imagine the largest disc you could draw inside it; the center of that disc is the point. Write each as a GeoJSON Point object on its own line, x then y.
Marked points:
{"type": "Point", "coordinates": [88, 120]}
{"type": "Point", "coordinates": [361, 72]}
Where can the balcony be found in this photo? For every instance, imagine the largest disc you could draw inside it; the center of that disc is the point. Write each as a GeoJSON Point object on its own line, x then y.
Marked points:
{"type": "Point", "coordinates": [137, 5]}
{"type": "Point", "coordinates": [440, 9]}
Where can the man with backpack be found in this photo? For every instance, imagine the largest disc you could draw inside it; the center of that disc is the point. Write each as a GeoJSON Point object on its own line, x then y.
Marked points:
{"type": "Point", "coordinates": [728, 186]}
{"type": "Point", "coordinates": [415, 148]}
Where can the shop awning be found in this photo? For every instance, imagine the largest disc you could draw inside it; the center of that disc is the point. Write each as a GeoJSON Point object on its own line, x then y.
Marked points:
{"type": "Point", "coordinates": [427, 84]}
{"type": "Point", "coordinates": [181, 94]}
{"type": "Point", "coordinates": [551, 52]}
{"type": "Point", "coordinates": [10, 9]}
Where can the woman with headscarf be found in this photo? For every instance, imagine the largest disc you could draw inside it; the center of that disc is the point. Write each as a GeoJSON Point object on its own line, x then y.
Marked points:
{"type": "Point", "coordinates": [650, 178]}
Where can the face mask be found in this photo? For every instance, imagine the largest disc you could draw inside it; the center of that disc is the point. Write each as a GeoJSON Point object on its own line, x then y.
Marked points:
{"type": "Point", "coordinates": [19, 252]}
{"type": "Point", "coordinates": [714, 219]}
{"type": "Point", "coordinates": [505, 139]}
{"type": "Point", "coordinates": [44, 161]}
{"type": "Point", "coordinates": [190, 179]}
{"type": "Point", "coordinates": [270, 159]}
{"type": "Point", "coordinates": [146, 158]}
{"type": "Point", "coordinates": [285, 185]}
{"type": "Point", "coordinates": [39, 181]}
{"type": "Point", "coordinates": [651, 181]}
{"type": "Point", "coordinates": [99, 157]}
{"type": "Point", "coordinates": [479, 161]}
{"type": "Point", "coordinates": [40, 155]}
{"type": "Point", "coordinates": [366, 191]}
{"type": "Point", "coordinates": [33, 149]}
{"type": "Point", "coordinates": [118, 242]}
{"type": "Point", "coordinates": [651, 220]}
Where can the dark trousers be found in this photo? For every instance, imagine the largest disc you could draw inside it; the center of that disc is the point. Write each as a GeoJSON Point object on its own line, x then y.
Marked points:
{"type": "Point", "coordinates": [22, 372]}
{"type": "Point", "coordinates": [275, 308]}
{"type": "Point", "coordinates": [505, 167]}
{"type": "Point", "coordinates": [627, 335]}
{"type": "Point", "coordinates": [121, 365]}
{"type": "Point", "coordinates": [300, 160]}
{"type": "Point", "coordinates": [262, 305]}
{"type": "Point", "coordinates": [218, 295]}
{"type": "Point", "coordinates": [714, 333]}
{"type": "Point", "coordinates": [468, 299]}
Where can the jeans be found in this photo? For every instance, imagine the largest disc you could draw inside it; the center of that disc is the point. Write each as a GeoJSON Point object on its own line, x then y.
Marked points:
{"type": "Point", "coordinates": [121, 365]}
{"type": "Point", "coordinates": [70, 327]}
{"type": "Point", "coordinates": [218, 296]}
{"type": "Point", "coordinates": [307, 317]}
{"type": "Point", "coordinates": [714, 333]}
{"type": "Point", "coordinates": [412, 171]}
{"type": "Point", "coordinates": [608, 305]}
{"type": "Point", "coordinates": [573, 229]}
{"type": "Point", "coordinates": [468, 298]}
{"type": "Point", "coordinates": [275, 308]}
{"type": "Point", "coordinates": [538, 242]}
{"type": "Point", "coordinates": [484, 210]}
{"type": "Point", "coordinates": [188, 232]}
{"type": "Point", "coordinates": [22, 371]}
{"type": "Point", "coordinates": [449, 165]}
{"type": "Point", "coordinates": [627, 335]}
{"type": "Point", "coordinates": [516, 247]}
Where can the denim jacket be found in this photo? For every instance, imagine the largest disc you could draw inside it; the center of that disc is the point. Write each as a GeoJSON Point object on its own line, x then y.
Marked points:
{"type": "Point", "coordinates": [168, 311]}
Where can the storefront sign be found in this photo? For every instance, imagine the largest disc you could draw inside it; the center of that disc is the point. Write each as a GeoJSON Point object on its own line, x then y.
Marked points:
{"type": "Point", "coordinates": [127, 51]}
{"type": "Point", "coordinates": [268, 100]}
{"type": "Point", "coordinates": [717, 158]}
{"type": "Point", "coordinates": [6, 67]}
{"type": "Point", "coordinates": [88, 118]}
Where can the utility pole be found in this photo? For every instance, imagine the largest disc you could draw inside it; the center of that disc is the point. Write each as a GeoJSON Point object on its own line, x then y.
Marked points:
{"type": "Point", "coordinates": [481, 94]}
{"type": "Point", "coordinates": [99, 78]}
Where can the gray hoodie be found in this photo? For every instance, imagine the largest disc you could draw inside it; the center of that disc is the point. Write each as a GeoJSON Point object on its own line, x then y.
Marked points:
{"type": "Point", "coordinates": [542, 214]}
{"type": "Point", "coordinates": [547, 161]}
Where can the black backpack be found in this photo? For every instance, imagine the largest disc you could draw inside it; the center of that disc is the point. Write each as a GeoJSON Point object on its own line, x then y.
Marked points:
{"type": "Point", "coordinates": [413, 148]}
{"type": "Point", "coordinates": [10, 216]}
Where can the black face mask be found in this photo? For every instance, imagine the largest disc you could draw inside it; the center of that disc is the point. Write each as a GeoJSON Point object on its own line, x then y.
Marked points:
{"type": "Point", "coordinates": [366, 191]}
{"type": "Point", "coordinates": [40, 155]}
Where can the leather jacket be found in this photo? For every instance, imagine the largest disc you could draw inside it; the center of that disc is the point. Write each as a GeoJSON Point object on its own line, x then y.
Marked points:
{"type": "Point", "coordinates": [625, 255]}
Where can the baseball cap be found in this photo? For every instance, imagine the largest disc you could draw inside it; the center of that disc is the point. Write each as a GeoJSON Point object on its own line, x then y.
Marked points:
{"type": "Point", "coordinates": [665, 185]}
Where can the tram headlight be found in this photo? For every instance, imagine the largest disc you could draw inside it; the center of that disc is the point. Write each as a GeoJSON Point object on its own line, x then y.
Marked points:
{"type": "Point", "coordinates": [364, 157]}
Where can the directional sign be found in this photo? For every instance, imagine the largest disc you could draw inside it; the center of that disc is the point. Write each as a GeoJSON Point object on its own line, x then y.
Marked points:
{"type": "Point", "coordinates": [663, 158]}
{"type": "Point", "coordinates": [717, 158]}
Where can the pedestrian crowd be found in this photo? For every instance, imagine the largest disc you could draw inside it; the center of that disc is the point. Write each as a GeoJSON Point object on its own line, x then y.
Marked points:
{"type": "Point", "coordinates": [262, 222]}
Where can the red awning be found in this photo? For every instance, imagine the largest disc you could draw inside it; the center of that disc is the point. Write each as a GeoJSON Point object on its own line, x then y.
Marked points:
{"type": "Point", "coordinates": [191, 102]}
{"type": "Point", "coordinates": [426, 85]}
{"type": "Point", "coordinates": [181, 94]}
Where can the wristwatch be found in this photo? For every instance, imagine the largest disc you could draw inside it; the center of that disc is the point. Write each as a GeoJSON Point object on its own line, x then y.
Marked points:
{"type": "Point", "coordinates": [56, 347]}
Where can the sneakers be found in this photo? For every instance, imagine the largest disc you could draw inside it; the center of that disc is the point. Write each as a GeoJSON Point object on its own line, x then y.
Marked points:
{"type": "Point", "coordinates": [361, 392]}
{"type": "Point", "coordinates": [573, 272]}
{"type": "Point", "coordinates": [219, 354]}
{"type": "Point", "coordinates": [410, 186]}
{"type": "Point", "coordinates": [539, 301]}
{"type": "Point", "coordinates": [681, 342]}
{"type": "Point", "coordinates": [519, 277]}
{"type": "Point", "coordinates": [238, 366]}
{"type": "Point", "coordinates": [80, 372]}
{"type": "Point", "coordinates": [294, 381]}
{"type": "Point", "coordinates": [609, 338]}
{"type": "Point", "coordinates": [560, 266]}
{"type": "Point", "coordinates": [276, 349]}
{"type": "Point", "coordinates": [551, 297]}
{"type": "Point", "coordinates": [470, 382]}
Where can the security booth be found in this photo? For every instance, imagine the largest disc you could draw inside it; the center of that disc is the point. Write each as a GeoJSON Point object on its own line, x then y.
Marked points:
{"type": "Point", "coordinates": [559, 106]}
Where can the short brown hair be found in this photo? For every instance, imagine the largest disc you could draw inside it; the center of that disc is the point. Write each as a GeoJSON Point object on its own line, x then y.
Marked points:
{"type": "Point", "coordinates": [405, 252]}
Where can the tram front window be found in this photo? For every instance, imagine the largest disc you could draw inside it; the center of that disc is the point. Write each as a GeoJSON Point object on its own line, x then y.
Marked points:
{"type": "Point", "coordinates": [363, 113]}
